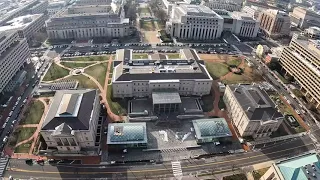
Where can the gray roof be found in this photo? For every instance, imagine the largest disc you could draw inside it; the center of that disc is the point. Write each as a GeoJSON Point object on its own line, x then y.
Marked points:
{"type": "Point", "coordinates": [255, 102]}
{"type": "Point", "coordinates": [77, 119]}
{"type": "Point", "coordinates": [157, 56]}
{"type": "Point", "coordinates": [211, 128]}
{"type": "Point", "coordinates": [127, 133]}
{"type": "Point", "coordinates": [190, 54]}
{"type": "Point", "coordinates": [165, 97]}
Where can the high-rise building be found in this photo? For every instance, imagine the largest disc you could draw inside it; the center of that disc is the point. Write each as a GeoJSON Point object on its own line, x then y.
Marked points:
{"type": "Point", "coordinates": [304, 18]}
{"type": "Point", "coordinates": [14, 52]}
{"type": "Point", "coordinates": [88, 21]}
{"type": "Point", "coordinates": [245, 25]}
{"type": "Point", "coordinates": [301, 59]}
{"type": "Point", "coordinates": [196, 22]}
{"type": "Point", "coordinates": [274, 23]}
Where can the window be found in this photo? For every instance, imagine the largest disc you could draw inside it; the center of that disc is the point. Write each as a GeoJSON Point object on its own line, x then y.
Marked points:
{"type": "Point", "coordinates": [87, 138]}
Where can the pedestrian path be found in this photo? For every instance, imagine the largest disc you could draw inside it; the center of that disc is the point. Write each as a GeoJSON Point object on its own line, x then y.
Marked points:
{"type": "Point", "coordinates": [176, 169]}
{"type": "Point", "coordinates": [3, 165]}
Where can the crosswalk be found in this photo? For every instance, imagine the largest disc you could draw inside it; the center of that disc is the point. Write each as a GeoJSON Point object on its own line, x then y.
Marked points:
{"type": "Point", "coordinates": [176, 169]}
{"type": "Point", "coordinates": [3, 165]}
{"type": "Point", "coordinates": [173, 150]}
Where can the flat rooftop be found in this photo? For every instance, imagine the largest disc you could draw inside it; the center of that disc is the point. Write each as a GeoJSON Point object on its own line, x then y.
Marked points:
{"type": "Point", "coordinates": [127, 133]}
{"type": "Point", "coordinates": [20, 22]}
{"type": "Point", "coordinates": [211, 128]}
{"type": "Point", "coordinates": [166, 97]}
{"type": "Point", "coordinates": [198, 10]}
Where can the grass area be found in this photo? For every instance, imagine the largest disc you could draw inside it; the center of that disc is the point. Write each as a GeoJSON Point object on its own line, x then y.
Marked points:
{"type": "Point", "coordinates": [109, 81]}
{"type": "Point", "coordinates": [147, 25]}
{"type": "Point", "coordinates": [21, 134]}
{"type": "Point", "coordinates": [88, 58]}
{"type": "Point", "coordinates": [55, 72]}
{"type": "Point", "coordinates": [34, 113]}
{"type": "Point", "coordinates": [248, 76]}
{"type": "Point", "coordinates": [257, 174]}
{"type": "Point", "coordinates": [23, 148]}
{"type": "Point", "coordinates": [299, 129]}
{"type": "Point", "coordinates": [173, 55]}
{"type": "Point", "coordinates": [235, 177]}
{"type": "Point", "coordinates": [217, 70]}
{"type": "Point", "coordinates": [297, 93]}
{"type": "Point", "coordinates": [84, 82]}
{"type": "Point", "coordinates": [234, 62]}
{"type": "Point", "coordinates": [166, 38]}
{"type": "Point", "coordinates": [75, 65]}
{"type": "Point", "coordinates": [207, 101]}
{"type": "Point", "coordinates": [140, 56]}
{"type": "Point", "coordinates": [284, 80]}
{"type": "Point", "coordinates": [221, 104]}
{"type": "Point", "coordinates": [117, 106]}
{"type": "Point", "coordinates": [144, 10]}
{"type": "Point", "coordinates": [98, 72]}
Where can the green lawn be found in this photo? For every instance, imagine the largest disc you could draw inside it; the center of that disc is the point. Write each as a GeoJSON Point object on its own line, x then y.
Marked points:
{"type": "Point", "coordinates": [217, 70]}
{"type": "Point", "coordinates": [84, 82]}
{"type": "Point", "coordinates": [297, 93]}
{"type": "Point", "coordinates": [98, 72]}
{"type": "Point", "coordinates": [140, 56]}
{"type": "Point", "coordinates": [221, 104]}
{"type": "Point", "coordinates": [23, 148]}
{"type": "Point", "coordinates": [236, 78]}
{"type": "Point", "coordinates": [235, 177]}
{"type": "Point", "coordinates": [207, 102]}
{"type": "Point", "coordinates": [75, 65]}
{"type": "Point", "coordinates": [88, 58]}
{"type": "Point", "coordinates": [55, 72]}
{"type": "Point", "coordinates": [147, 25]}
{"type": "Point", "coordinates": [234, 62]}
{"type": "Point", "coordinates": [144, 10]}
{"type": "Point", "coordinates": [24, 133]}
{"type": "Point", "coordinates": [34, 113]}
{"type": "Point", "coordinates": [173, 55]}
{"type": "Point", "coordinates": [117, 106]}
{"type": "Point", "coordinates": [257, 174]}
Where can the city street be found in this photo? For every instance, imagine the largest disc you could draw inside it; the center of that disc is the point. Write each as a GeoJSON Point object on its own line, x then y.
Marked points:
{"type": "Point", "coordinates": [19, 169]}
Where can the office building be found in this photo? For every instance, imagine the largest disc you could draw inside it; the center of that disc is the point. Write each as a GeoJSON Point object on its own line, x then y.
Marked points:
{"type": "Point", "coordinates": [301, 60]}
{"type": "Point", "coordinates": [55, 6]}
{"type": "Point", "coordinates": [82, 22]}
{"type": "Point", "coordinates": [39, 8]}
{"type": "Point", "coordinates": [194, 22]}
{"type": "Point", "coordinates": [14, 52]}
{"type": "Point", "coordinates": [252, 111]}
{"type": "Point", "coordinates": [142, 77]}
{"type": "Point", "coordinates": [226, 5]}
{"type": "Point", "coordinates": [254, 11]}
{"type": "Point", "coordinates": [26, 25]}
{"type": "Point", "coordinates": [92, 2]}
{"type": "Point", "coordinates": [70, 125]}
{"type": "Point", "coordinates": [245, 25]}
{"type": "Point", "coordinates": [296, 168]}
{"type": "Point", "coordinates": [274, 23]}
{"type": "Point", "coordinates": [122, 136]}
{"type": "Point", "coordinates": [16, 81]}
{"type": "Point", "coordinates": [304, 18]}
{"type": "Point", "coordinates": [313, 32]}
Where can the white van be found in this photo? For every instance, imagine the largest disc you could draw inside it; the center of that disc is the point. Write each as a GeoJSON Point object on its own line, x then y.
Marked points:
{"type": "Point", "coordinates": [5, 139]}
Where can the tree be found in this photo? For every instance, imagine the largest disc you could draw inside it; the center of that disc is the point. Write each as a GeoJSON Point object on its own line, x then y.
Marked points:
{"type": "Point", "coordinates": [130, 9]}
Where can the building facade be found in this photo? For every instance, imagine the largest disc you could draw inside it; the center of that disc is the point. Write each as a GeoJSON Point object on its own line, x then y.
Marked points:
{"type": "Point", "coordinates": [141, 77]}
{"type": "Point", "coordinates": [26, 25]}
{"type": "Point", "coordinates": [274, 23]}
{"type": "Point", "coordinates": [252, 111]}
{"type": "Point", "coordinates": [70, 125]}
{"type": "Point", "coordinates": [301, 59]}
{"type": "Point", "coordinates": [54, 7]}
{"type": "Point", "coordinates": [14, 52]}
{"type": "Point", "coordinates": [226, 5]}
{"type": "Point", "coordinates": [194, 22]}
{"type": "Point", "coordinates": [82, 22]}
{"type": "Point", "coordinates": [245, 25]}
{"type": "Point", "coordinates": [304, 18]}
{"type": "Point", "coordinates": [313, 32]}
{"type": "Point", "coordinates": [254, 11]}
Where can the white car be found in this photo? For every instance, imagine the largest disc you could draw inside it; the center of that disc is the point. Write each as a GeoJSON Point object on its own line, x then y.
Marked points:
{"type": "Point", "coordinates": [10, 114]}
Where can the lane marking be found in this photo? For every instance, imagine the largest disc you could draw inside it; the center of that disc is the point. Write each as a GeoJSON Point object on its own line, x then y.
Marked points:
{"type": "Point", "coordinates": [155, 170]}
{"type": "Point", "coordinates": [176, 169]}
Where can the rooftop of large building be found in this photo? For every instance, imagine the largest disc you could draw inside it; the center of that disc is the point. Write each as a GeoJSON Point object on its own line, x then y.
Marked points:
{"type": "Point", "coordinates": [186, 67]}
{"type": "Point", "coordinates": [197, 10]}
{"type": "Point", "coordinates": [255, 102]}
{"type": "Point", "coordinates": [276, 12]}
{"type": "Point", "coordinates": [242, 16]}
{"type": "Point", "coordinates": [72, 107]}
{"type": "Point", "coordinates": [127, 133]}
{"type": "Point", "coordinates": [313, 30]}
{"type": "Point", "coordinates": [301, 167]}
{"type": "Point", "coordinates": [20, 22]}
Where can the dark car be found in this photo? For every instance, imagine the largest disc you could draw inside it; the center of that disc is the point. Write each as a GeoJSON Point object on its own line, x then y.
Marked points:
{"type": "Point", "coordinates": [29, 161]}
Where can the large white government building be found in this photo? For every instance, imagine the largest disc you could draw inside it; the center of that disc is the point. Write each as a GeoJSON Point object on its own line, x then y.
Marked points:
{"type": "Point", "coordinates": [186, 75]}
{"type": "Point", "coordinates": [88, 21]}
{"type": "Point", "coordinates": [196, 22]}
{"type": "Point", "coordinates": [14, 52]}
